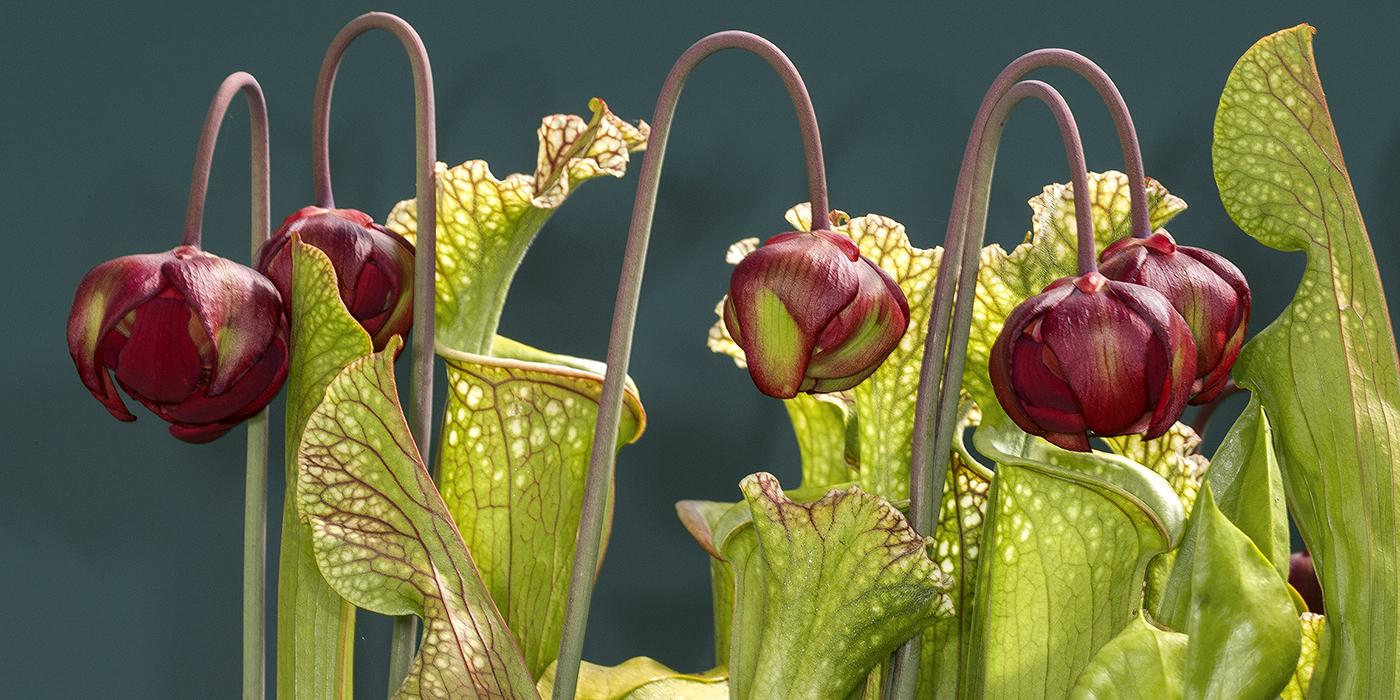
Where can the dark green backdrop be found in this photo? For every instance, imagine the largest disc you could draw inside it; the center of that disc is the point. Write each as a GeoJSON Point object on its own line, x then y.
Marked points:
{"type": "Point", "coordinates": [120, 547]}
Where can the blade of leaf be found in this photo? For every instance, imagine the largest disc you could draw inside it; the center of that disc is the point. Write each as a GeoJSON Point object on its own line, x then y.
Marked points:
{"type": "Point", "coordinates": [1246, 474]}
{"type": "Point", "coordinates": [700, 518]}
{"type": "Point", "coordinates": [485, 225]}
{"type": "Point", "coordinates": [516, 440]}
{"type": "Point", "coordinates": [1142, 663]}
{"type": "Point", "coordinates": [1241, 621]}
{"type": "Point", "coordinates": [847, 581]}
{"type": "Point", "coordinates": [1067, 541]}
{"type": "Point", "coordinates": [641, 678]}
{"type": "Point", "coordinates": [384, 540]}
{"type": "Point", "coordinates": [1326, 369]}
{"type": "Point", "coordinates": [315, 626]}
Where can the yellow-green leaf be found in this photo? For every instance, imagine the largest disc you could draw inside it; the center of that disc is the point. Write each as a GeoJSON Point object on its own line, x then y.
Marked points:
{"type": "Point", "coordinates": [1143, 662]}
{"type": "Point", "coordinates": [1297, 688]}
{"type": "Point", "coordinates": [642, 678]}
{"type": "Point", "coordinates": [516, 439]}
{"type": "Point", "coordinates": [1066, 544]}
{"type": "Point", "coordinates": [847, 580]}
{"type": "Point", "coordinates": [384, 540]}
{"type": "Point", "coordinates": [485, 225]}
{"type": "Point", "coordinates": [1326, 369]}
{"type": "Point", "coordinates": [315, 626]}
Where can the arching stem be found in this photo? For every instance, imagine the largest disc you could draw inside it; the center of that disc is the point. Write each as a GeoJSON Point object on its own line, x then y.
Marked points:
{"type": "Point", "coordinates": [923, 506]}
{"type": "Point", "coordinates": [600, 468]}
{"type": "Point", "coordinates": [255, 482]}
{"type": "Point", "coordinates": [941, 374]}
{"type": "Point", "coordinates": [420, 415]}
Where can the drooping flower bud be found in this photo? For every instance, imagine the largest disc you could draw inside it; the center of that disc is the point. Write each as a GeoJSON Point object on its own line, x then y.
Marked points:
{"type": "Point", "coordinates": [373, 266]}
{"type": "Point", "coordinates": [812, 314]}
{"type": "Point", "coordinates": [1092, 357]}
{"type": "Point", "coordinates": [199, 340]}
{"type": "Point", "coordinates": [1207, 290]}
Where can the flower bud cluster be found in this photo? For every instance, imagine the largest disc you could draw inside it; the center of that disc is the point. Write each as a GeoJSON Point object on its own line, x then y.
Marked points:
{"type": "Point", "coordinates": [203, 342]}
{"type": "Point", "coordinates": [1124, 349]}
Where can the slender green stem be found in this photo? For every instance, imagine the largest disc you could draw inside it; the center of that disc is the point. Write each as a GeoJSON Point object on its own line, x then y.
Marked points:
{"type": "Point", "coordinates": [255, 488]}
{"type": "Point", "coordinates": [600, 468]}
{"type": "Point", "coordinates": [420, 415]}
{"type": "Point", "coordinates": [905, 674]}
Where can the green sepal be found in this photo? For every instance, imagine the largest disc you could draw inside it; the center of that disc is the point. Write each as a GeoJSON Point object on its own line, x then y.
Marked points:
{"type": "Point", "coordinates": [384, 540]}
{"type": "Point", "coordinates": [484, 225]}
{"type": "Point", "coordinates": [315, 626]}
{"type": "Point", "coordinates": [1326, 369]}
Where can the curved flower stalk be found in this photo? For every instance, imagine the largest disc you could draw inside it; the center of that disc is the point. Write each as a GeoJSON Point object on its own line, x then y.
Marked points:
{"type": "Point", "coordinates": [313, 620]}
{"type": "Point", "coordinates": [625, 312]}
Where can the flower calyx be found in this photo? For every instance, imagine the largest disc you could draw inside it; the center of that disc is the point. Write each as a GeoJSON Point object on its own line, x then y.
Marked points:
{"type": "Point", "coordinates": [1093, 357]}
{"type": "Point", "coordinates": [812, 314]}
{"type": "Point", "coordinates": [373, 266]}
{"type": "Point", "coordinates": [199, 340]}
{"type": "Point", "coordinates": [1209, 292]}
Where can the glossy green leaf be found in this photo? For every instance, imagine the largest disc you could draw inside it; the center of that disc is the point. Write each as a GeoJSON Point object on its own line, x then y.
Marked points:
{"type": "Point", "coordinates": [485, 225]}
{"type": "Point", "coordinates": [1246, 474]}
{"type": "Point", "coordinates": [1048, 253]}
{"type": "Point", "coordinates": [1066, 543]}
{"type": "Point", "coordinates": [1326, 369]}
{"type": "Point", "coordinates": [1143, 662]}
{"type": "Point", "coordinates": [641, 678]}
{"type": "Point", "coordinates": [1241, 621]}
{"type": "Point", "coordinates": [847, 581]}
{"type": "Point", "coordinates": [516, 439]}
{"type": "Point", "coordinates": [315, 626]}
{"type": "Point", "coordinates": [1297, 688]}
{"type": "Point", "coordinates": [384, 540]}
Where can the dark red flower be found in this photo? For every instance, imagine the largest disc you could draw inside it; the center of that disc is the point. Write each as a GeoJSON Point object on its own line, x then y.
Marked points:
{"type": "Point", "coordinates": [199, 340]}
{"type": "Point", "coordinates": [1207, 290]}
{"type": "Point", "coordinates": [1092, 357]}
{"type": "Point", "coordinates": [373, 266]}
{"type": "Point", "coordinates": [812, 314]}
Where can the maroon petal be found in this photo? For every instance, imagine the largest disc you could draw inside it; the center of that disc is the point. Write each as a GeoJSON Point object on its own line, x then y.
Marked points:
{"type": "Point", "coordinates": [107, 294]}
{"type": "Point", "coordinates": [1099, 343]}
{"type": "Point", "coordinates": [159, 361]}
{"type": "Point", "coordinates": [1001, 358]}
{"type": "Point", "coordinates": [863, 334]}
{"type": "Point", "coordinates": [246, 397]}
{"type": "Point", "coordinates": [239, 309]}
{"type": "Point", "coordinates": [1178, 358]}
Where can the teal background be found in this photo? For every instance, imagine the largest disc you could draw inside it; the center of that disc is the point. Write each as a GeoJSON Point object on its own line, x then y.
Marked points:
{"type": "Point", "coordinates": [120, 550]}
